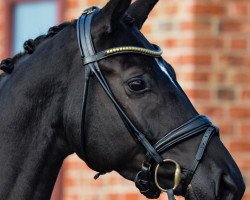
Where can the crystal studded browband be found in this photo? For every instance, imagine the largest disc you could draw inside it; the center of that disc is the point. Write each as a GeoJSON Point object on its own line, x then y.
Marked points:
{"type": "Point", "coordinates": [122, 50]}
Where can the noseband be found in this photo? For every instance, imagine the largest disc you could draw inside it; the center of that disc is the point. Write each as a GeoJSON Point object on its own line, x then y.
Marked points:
{"type": "Point", "coordinates": [197, 125]}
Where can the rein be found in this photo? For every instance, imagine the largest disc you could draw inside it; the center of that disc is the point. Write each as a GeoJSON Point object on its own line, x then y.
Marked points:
{"type": "Point", "coordinates": [197, 125]}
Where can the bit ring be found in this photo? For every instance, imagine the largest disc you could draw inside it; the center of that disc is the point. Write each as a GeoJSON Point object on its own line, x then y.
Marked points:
{"type": "Point", "coordinates": [177, 176]}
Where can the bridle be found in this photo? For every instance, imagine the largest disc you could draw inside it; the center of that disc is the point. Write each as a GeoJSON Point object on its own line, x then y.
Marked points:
{"type": "Point", "coordinates": [197, 125]}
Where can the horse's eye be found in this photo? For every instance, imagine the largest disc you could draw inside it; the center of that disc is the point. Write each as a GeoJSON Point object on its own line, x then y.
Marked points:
{"type": "Point", "coordinates": [137, 85]}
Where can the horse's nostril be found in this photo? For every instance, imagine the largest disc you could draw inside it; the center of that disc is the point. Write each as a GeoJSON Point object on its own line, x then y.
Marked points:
{"type": "Point", "coordinates": [228, 189]}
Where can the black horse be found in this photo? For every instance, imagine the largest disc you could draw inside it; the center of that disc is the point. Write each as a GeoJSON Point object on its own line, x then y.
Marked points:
{"type": "Point", "coordinates": [52, 105]}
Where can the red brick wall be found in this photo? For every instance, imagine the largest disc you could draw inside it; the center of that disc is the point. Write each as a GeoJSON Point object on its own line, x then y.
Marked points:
{"type": "Point", "coordinates": [3, 31]}
{"type": "Point", "coordinates": [208, 43]}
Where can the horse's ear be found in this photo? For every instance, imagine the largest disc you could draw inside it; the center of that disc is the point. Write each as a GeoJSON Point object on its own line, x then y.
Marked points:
{"type": "Point", "coordinates": [140, 10]}
{"type": "Point", "coordinates": [110, 15]}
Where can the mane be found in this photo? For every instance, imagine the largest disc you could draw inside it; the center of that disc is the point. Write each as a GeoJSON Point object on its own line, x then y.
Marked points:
{"type": "Point", "coordinates": [7, 65]}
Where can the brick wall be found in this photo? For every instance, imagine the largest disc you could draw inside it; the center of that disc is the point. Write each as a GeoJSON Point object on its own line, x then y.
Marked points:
{"type": "Point", "coordinates": [3, 31]}
{"type": "Point", "coordinates": [208, 43]}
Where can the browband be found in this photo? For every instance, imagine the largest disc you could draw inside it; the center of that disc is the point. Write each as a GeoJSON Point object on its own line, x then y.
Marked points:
{"type": "Point", "coordinates": [122, 50]}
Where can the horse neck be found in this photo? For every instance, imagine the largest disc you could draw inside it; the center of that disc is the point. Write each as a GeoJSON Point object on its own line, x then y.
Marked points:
{"type": "Point", "coordinates": [32, 139]}
{"type": "Point", "coordinates": [29, 172]}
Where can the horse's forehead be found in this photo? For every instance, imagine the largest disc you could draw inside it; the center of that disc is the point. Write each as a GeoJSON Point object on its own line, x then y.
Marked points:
{"type": "Point", "coordinates": [128, 63]}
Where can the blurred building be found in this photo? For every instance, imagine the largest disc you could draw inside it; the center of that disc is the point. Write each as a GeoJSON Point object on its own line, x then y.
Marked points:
{"type": "Point", "coordinates": [207, 42]}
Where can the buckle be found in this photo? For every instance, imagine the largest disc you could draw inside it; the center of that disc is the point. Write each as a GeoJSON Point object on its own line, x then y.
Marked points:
{"type": "Point", "coordinates": [146, 167]}
{"type": "Point", "coordinates": [88, 11]}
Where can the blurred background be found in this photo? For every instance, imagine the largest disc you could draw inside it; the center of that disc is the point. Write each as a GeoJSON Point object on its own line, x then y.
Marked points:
{"type": "Point", "coordinates": [207, 42]}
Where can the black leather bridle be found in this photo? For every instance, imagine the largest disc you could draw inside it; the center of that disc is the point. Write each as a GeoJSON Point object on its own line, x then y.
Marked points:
{"type": "Point", "coordinates": [197, 125]}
